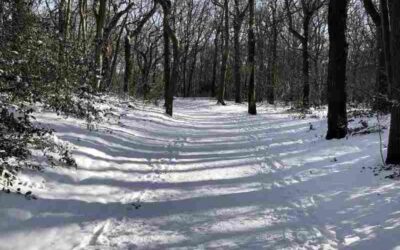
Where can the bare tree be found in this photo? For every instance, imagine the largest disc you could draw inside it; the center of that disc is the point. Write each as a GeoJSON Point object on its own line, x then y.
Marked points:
{"type": "Point", "coordinates": [308, 8]}
{"type": "Point", "coordinates": [238, 19]}
{"type": "Point", "coordinates": [225, 52]}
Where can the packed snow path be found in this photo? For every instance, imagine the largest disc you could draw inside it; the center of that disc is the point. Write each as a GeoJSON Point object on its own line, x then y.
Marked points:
{"type": "Point", "coordinates": [212, 177]}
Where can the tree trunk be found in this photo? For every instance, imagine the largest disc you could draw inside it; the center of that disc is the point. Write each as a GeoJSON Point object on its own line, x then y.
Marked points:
{"type": "Point", "coordinates": [110, 78]}
{"type": "Point", "coordinates": [272, 68]}
{"type": "Point", "coordinates": [167, 60]}
{"type": "Point", "coordinates": [68, 19]}
{"type": "Point", "coordinates": [169, 79]}
{"type": "Point", "coordinates": [128, 64]}
{"type": "Point", "coordinates": [174, 75]}
{"type": "Point", "coordinates": [393, 153]}
{"type": "Point", "coordinates": [225, 55]}
{"type": "Point", "coordinates": [252, 51]}
{"type": "Point", "coordinates": [61, 33]}
{"type": "Point", "coordinates": [381, 86]}
{"type": "Point", "coordinates": [215, 61]}
{"type": "Point", "coordinates": [237, 63]}
{"type": "Point", "coordinates": [337, 117]}
{"type": "Point", "coordinates": [381, 74]}
{"type": "Point", "coordinates": [306, 62]}
{"type": "Point", "coordinates": [192, 68]}
{"type": "Point", "coordinates": [1, 15]}
{"type": "Point", "coordinates": [82, 23]}
{"type": "Point", "coordinates": [386, 44]}
{"type": "Point", "coordinates": [100, 17]}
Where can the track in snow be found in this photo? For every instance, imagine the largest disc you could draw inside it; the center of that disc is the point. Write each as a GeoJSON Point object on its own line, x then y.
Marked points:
{"type": "Point", "coordinates": [212, 177]}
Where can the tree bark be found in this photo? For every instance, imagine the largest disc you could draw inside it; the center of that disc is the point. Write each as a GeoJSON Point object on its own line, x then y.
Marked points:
{"type": "Point", "coordinates": [170, 78]}
{"type": "Point", "coordinates": [381, 85]}
{"type": "Point", "coordinates": [306, 61]}
{"type": "Point", "coordinates": [382, 80]}
{"type": "Point", "coordinates": [215, 61]}
{"type": "Point", "coordinates": [337, 117]}
{"type": "Point", "coordinates": [128, 64]}
{"type": "Point", "coordinates": [82, 34]}
{"type": "Point", "coordinates": [387, 44]}
{"type": "Point", "coordinates": [61, 33]}
{"type": "Point", "coordinates": [167, 60]}
{"type": "Point", "coordinates": [237, 27]}
{"type": "Point", "coordinates": [225, 55]}
{"type": "Point", "coordinates": [252, 50]}
{"type": "Point", "coordinates": [309, 8]}
{"type": "Point", "coordinates": [100, 16]}
{"type": "Point", "coordinates": [237, 63]}
{"type": "Point", "coordinates": [272, 67]}
{"type": "Point", "coordinates": [393, 153]}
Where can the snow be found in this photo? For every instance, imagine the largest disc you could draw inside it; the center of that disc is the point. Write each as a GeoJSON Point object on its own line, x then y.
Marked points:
{"type": "Point", "coordinates": [212, 177]}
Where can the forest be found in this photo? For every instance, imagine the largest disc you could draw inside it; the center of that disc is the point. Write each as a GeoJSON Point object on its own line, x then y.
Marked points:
{"type": "Point", "coordinates": [199, 124]}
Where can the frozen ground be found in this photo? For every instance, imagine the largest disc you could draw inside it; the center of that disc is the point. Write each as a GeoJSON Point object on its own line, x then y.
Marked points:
{"type": "Point", "coordinates": [212, 177]}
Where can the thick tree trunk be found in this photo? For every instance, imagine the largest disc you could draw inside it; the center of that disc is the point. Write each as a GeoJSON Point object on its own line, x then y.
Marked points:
{"type": "Point", "coordinates": [170, 78]}
{"type": "Point", "coordinates": [393, 153]}
{"type": "Point", "coordinates": [337, 117]}
{"type": "Point", "coordinates": [252, 51]}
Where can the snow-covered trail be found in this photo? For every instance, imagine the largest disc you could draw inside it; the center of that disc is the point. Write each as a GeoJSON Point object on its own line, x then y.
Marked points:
{"type": "Point", "coordinates": [212, 177]}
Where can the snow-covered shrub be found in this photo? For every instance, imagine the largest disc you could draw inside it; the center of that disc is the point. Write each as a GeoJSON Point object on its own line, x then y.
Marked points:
{"type": "Point", "coordinates": [18, 137]}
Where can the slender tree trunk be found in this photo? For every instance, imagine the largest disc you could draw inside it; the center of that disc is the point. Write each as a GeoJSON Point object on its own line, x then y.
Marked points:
{"type": "Point", "coordinates": [381, 73]}
{"type": "Point", "coordinates": [167, 59]}
{"type": "Point", "coordinates": [191, 72]}
{"type": "Point", "coordinates": [215, 61]}
{"type": "Point", "coordinates": [68, 19]}
{"type": "Point", "coordinates": [393, 153]}
{"type": "Point", "coordinates": [386, 43]}
{"type": "Point", "coordinates": [1, 14]}
{"type": "Point", "coordinates": [306, 62]}
{"type": "Point", "coordinates": [110, 78]}
{"type": "Point", "coordinates": [337, 117]}
{"type": "Point", "coordinates": [98, 53]}
{"type": "Point", "coordinates": [128, 64]}
{"type": "Point", "coordinates": [83, 23]}
{"type": "Point", "coordinates": [225, 55]}
{"type": "Point", "coordinates": [174, 75]}
{"type": "Point", "coordinates": [252, 51]}
{"type": "Point", "coordinates": [61, 33]}
{"type": "Point", "coordinates": [381, 86]}
{"type": "Point", "coordinates": [238, 62]}
{"type": "Point", "coordinates": [184, 67]}
{"type": "Point", "coordinates": [272, 68]}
